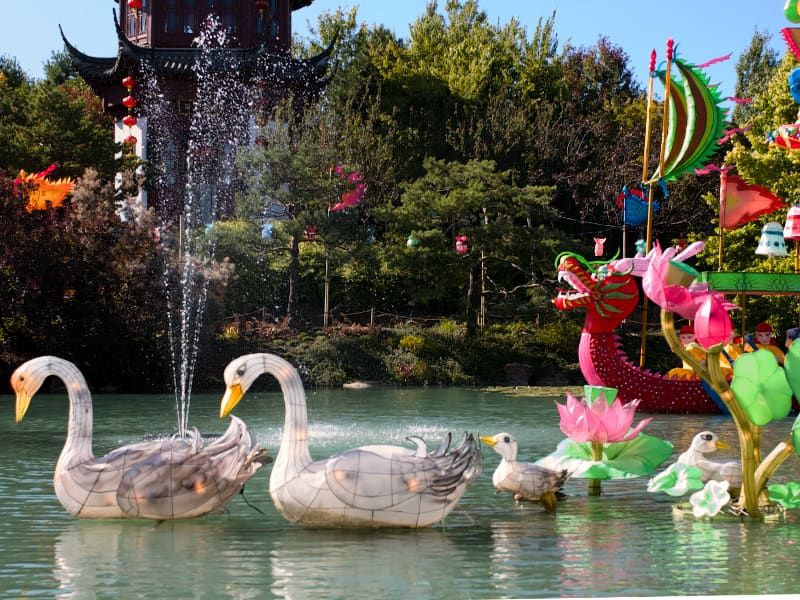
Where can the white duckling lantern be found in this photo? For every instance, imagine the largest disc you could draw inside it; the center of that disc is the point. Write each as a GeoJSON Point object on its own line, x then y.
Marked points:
{"type": "Point", "coordinates": [771, 242]}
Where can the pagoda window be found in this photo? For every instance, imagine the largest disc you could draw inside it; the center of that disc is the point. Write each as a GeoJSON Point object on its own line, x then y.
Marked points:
{"type": "Point", "coordinates": [274, 19]}
{"type": "Point", "coordinates": [267, 22]}
{"type": "Point", "coordinates": [136, 20]}
{"type": "Point", "coordinates": [189, 21]}
{"type": "Point", "coordinates": [143, 18]}
{"type": "Point", "coordinates": [226, 12]}
{"type": "Point", "coordinates": [171, 18]}
{"type": "Point", "coordinates": [181, 16]}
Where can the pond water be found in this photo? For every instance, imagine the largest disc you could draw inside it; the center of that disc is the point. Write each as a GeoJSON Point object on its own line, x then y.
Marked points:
{"type": "Point", "coordinates": [624, 543]}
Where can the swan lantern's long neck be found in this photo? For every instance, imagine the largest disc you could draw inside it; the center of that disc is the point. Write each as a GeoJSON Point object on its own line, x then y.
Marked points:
{"type": "Point", "coordinates": [78, 445]}
{"type": "Point", "coordinates": [293, 454]}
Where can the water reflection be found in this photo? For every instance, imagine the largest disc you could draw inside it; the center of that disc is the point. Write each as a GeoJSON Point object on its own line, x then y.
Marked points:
{"type": "Point", "coordinates": [410, 563]}
{"type": "Point", "coordinates": [623, 543]}
{"type": "Point", "coordinates": [528, 536]}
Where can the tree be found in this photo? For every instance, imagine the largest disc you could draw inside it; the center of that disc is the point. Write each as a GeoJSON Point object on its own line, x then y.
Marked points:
{"type": "Point", "coordinates": [79, 283]}
{"type": "Point", "coordinates": [291, 179]}
{"type": "Point", "coordinates": [53, 122]}
{"type": "Point", "coordinates": [754, 69]}
{"type": "Point", "coordinates": [505, 228]}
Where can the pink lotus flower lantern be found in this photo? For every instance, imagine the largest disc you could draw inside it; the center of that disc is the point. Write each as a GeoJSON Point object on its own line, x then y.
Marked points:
{"type": "Point", "coordinates": [599, 421]}
{"type": "Point", "coordinates": [672, 285]}
{"type": "Point", "coordinates": [712, 325]}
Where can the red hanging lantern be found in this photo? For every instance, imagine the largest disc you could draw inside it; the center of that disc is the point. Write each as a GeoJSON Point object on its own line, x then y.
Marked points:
{"type": "Point", "coordinates": [135, 4]}
{"type": "Point", "coordinates": [129, 101]}
{"type": "Point", "coordinates": [261, 6]}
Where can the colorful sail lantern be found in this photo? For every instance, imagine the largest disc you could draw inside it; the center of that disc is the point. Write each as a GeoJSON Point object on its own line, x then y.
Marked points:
{"type": "Point", "coordinates": [696, 122]}
{"type": "Point", "coordinates": [791, 11]}
{"type": "Point", "coordinates": [44, 193]}
{"type": "Point", "coordinates": [791, 35]}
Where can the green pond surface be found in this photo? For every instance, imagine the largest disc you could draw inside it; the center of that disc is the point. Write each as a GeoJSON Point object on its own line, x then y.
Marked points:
{"type": "Point", "coordinates": [624, 543]}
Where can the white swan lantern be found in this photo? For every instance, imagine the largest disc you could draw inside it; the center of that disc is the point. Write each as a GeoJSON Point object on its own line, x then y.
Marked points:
{"type": "Point", "coordinates": [171, 478]}
{"type": "Point", "coordinates": [370, 486]}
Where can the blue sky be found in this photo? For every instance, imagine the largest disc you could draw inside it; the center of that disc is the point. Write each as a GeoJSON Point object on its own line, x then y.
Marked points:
{"type": "Point", "coordinates": [702, 29]}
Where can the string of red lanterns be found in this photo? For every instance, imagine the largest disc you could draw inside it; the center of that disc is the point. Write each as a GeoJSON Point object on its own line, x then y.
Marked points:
{"type": "Point", "coordinates": [129, 102]}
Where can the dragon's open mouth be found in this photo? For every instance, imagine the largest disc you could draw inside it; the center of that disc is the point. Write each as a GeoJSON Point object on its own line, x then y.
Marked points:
{"type": "Point", "coordinates": [577, 290]}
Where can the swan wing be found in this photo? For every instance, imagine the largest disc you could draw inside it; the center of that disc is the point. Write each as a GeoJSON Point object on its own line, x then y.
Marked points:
{"type": "Point", "coordinates": [381, 477]}
{"type": "Point", "coordinates": [178, 478]}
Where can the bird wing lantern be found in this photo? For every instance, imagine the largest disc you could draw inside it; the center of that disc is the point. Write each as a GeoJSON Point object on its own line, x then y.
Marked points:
{"type": "Point", "coordinates": [43, 191]}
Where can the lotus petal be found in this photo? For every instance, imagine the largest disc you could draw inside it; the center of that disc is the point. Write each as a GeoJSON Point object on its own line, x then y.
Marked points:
{"type": "Point", "coordinates": [710, 500]}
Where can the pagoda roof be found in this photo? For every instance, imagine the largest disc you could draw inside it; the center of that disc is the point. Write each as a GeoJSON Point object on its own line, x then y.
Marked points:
{"type": "Point", "coordinates": [179, 62]}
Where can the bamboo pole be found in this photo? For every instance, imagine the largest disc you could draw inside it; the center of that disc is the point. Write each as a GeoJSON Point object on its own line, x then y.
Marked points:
{"type": "Point", "coordinates": [651, 189]}
{"type": "Point", "coordinates": [723, 189]}
{"type": "Point", "coordinates": [648, 119]}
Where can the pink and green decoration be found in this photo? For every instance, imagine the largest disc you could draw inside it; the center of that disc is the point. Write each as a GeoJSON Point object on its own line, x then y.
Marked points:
{"type": "Point", "coordinates": [602, 441]}
{"type": "Point", "coordinates": [759, 393]}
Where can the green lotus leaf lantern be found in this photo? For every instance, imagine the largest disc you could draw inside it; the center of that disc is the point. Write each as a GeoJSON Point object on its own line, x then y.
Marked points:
{"type": "Point", "coordinates": [760, 386]}
{"type": "Point", "coordinates": [786, 494]}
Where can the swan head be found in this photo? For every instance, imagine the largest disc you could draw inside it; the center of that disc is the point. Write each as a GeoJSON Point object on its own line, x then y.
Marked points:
{"type": "Point", "coordinates": [239, 375]}
{"type": "Point", "coordinates": [27, 379]}
{"type": "Point", "coordinates": [503, 443]}
{"type": "Point", "coordinates": [706, 442]}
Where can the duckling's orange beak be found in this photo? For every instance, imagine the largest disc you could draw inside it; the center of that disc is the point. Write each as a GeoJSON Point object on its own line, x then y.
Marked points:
{"type": "Point", "coordinates": [233, 394]}
{"type": "Point", "coordinates": [489, 441]}
{"type": "Point", "coordinates": [722, 445]}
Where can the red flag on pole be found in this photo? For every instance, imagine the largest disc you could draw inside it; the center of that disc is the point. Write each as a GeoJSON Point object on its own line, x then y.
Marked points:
{"type": "Point", "coordinates": [741, 202]}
